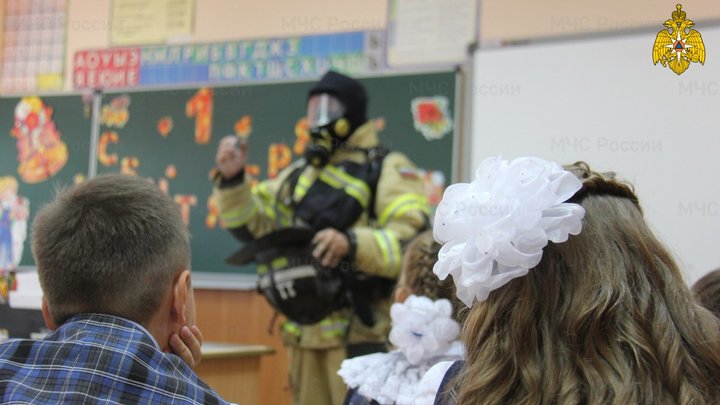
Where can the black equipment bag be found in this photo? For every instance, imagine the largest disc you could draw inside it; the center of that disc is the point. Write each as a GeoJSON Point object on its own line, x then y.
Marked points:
{"type": "Point", "coordinates": [292, 281]}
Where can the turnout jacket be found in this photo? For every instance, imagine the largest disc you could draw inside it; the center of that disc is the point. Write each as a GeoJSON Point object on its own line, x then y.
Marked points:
{"type": "Point", "coordinates": [381, 218]}
{"type": "Point", "coordinates": [97, 359]}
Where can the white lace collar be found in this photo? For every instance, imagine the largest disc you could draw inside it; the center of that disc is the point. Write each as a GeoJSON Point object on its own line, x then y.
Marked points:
{"type": "Point", "coordinates": [389, 378]}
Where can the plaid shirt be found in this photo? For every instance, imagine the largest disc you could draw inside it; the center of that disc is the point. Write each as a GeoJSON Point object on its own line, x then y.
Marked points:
{"type": "Point", "coordinates": [97, 359]}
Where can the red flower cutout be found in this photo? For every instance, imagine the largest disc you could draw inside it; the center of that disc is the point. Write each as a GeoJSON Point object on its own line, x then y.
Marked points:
{"type": "Point", "coordinates": [428, 113]}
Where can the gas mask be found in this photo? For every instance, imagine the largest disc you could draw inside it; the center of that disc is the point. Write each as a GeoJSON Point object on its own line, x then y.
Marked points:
{"type": "Point", "coordinates": [328, 128]}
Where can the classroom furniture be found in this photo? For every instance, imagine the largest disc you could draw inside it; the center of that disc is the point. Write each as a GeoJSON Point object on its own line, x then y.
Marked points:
{"type": "Point", "coordinates": [20, 323]}
{"type": "Point", "coordinates": [233, 370]}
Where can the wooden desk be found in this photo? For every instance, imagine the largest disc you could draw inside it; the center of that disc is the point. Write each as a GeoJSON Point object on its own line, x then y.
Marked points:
{"type": "Point", "coordinates": [233, 370]}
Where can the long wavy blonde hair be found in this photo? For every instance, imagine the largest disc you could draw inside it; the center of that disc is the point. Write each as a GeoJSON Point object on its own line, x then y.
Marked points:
{"type": "Point", "coordinates": [605, 318]}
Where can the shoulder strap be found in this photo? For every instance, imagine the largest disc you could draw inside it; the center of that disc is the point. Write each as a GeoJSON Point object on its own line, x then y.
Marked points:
{"type": "Point", "coordinates": [289, 182]}
{"type": "Point", "coordinates": [376, 157]}
{"type": "Point", "coordinates": [446, 394]}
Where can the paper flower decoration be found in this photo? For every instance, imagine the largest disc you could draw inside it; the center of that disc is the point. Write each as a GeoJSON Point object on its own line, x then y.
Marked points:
{"type": "Point", "coordinates": [422, 328]}
{"type": "Point", "coordinates": [165, 125]}
{"type": "Point", "coordinates": [431, 116]}
{"type": "Point", "coordinates": [243, 126]}
{"type": "Point", "coordinates": [116, 114]}
{"type": "Point", "coordinates": [495, 228]}
{"type": "Point", "coordinates": [170, 172]}
{"type": "Point", "coordinates": [129, 165]}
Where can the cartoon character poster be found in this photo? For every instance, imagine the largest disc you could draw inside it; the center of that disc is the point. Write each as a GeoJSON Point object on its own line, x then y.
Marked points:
{"type": "Point", "coordinates": [41, 152]}
{"type": "Point", "coordinates": [14, 211]}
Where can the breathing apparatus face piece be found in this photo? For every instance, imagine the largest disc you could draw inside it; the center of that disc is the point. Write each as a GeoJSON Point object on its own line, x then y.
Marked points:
{"type": "Point", "coordinates": [328, 128]}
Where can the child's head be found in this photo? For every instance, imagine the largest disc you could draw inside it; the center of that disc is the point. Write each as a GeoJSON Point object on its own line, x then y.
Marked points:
{"type": "Point", "coordinates": [115, 245]}
{"type": "Point", "coordinates": [417, 277]}
{"type": "Point", "coordinates": [604, 317]}
{"type": "Point", "coordinates": [707, 291]}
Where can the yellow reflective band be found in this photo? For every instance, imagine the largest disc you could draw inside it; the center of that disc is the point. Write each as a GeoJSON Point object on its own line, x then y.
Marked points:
{"type": "Point", "coordinates": [292, 328]}
{"type": "Point", "coordinates": [262, 191]}
{"type": "Point", "coordinates": [285, 214]}
{"type": "Point", "coordinates": [333, 182]}
{"type": "Point", "coordinates": [353, 187]}
{"type": "Point", "coordinates": [266, 199]}
{"type": "Point", "coordinates": [240, 216]}
{"type": "Point", "coordinates": [284, 209]}
{"type": "Point", "coordinates": [331, 328]}
{"type": "Point", "coordinates": [402, 205]}
{"type": "Point", "coordinates": [390, 248]}
{"type": "Point", "coordinates": [276, 264]}
{"type": "Point", "coordinates": [302, 187]}
{"type": "Point", "coordinates": [269, 211]}
{"type": "Point", "coordinates": [279, 263]}
{"type": "Point", "coordinates": [359, 188]}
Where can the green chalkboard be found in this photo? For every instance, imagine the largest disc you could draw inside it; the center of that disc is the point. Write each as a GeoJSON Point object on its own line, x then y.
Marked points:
{"type": "Point", "coordinates": [43, 148]}
{"type": "Point", "coordinates": [136, 136]}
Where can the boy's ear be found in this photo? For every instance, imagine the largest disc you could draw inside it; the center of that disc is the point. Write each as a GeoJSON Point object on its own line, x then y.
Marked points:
{"type": "Point", "coordinates": [180, 291]}
{"type": "Point", "coordinates": [46, 315]}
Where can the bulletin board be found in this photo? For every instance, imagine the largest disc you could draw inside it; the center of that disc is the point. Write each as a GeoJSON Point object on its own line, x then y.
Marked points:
{"type": "Point", "coordinates": [171, 136]}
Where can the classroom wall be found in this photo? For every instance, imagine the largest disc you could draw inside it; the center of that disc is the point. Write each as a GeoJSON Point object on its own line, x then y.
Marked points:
{"type": "Point", "coordinates": [512, 20]}
{"type": "Point", "coordinates": [2, 32]}
{"type": "Point", "coordinates": [500, 20]}
{"type": "Point", "coordinates": [226, 20]}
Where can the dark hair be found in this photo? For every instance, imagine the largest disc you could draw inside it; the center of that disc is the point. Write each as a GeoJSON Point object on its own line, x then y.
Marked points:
{"type": "Point", "coordinates": [110, 245]}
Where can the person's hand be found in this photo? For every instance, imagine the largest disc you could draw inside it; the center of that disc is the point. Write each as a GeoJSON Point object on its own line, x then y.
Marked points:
{"type": "Point", "coordinates": [187, 344]}
{"type": "Point", "coordinates": [331, 246]}
{"type": "Point", "coordinates": [231, 156]}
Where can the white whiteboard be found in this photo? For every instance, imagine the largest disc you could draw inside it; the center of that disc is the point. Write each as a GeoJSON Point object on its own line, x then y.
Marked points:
{"type": "Point", "coordinates": [602, 101]}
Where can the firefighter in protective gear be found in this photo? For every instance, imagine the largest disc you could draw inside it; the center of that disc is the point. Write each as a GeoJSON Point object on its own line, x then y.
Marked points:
{"type": "Point", "coordinates": [362, 201]}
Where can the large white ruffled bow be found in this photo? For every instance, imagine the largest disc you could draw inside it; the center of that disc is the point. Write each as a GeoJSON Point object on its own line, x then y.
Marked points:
{"type": "Point", "coordinates": [422, 328]}
{"type": "Point", "coordinates": [494, 229]}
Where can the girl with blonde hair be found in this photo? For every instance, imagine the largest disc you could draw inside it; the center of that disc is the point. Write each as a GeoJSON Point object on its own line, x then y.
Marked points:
{"type": "Point", "coordinates": [573, 299]}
